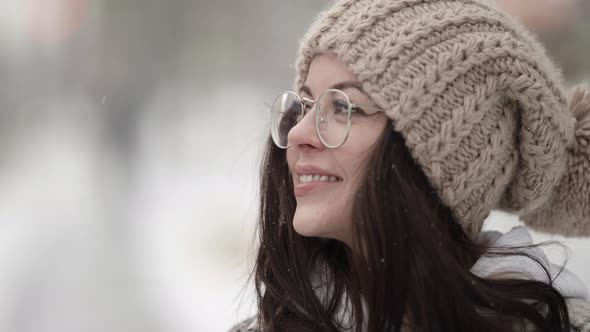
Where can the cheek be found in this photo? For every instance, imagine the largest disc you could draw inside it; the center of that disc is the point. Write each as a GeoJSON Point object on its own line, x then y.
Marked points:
{"type": "Point", "coordinates": [353, 165]}
{"type": "Point", "coordinates": [358, 149]}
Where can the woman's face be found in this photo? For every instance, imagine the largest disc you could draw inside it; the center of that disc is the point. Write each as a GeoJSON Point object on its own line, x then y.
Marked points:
{"type": "Point", "coordinates": [324, 206]}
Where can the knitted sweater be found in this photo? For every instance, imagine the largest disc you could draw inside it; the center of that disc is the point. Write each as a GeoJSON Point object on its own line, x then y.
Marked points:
{"type": "Point", "coordinates": [565, 281]}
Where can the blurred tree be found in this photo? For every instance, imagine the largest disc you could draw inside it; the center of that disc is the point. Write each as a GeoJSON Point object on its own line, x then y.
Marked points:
{"type": "Point", "coordinates": [563, 26]}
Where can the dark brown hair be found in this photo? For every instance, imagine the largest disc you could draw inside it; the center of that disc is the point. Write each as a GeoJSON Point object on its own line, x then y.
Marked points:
{"type": "Point", "coordinates": [409, 262]}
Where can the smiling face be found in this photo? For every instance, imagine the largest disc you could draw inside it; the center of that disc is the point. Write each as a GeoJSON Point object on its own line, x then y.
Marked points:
{"type": "Point", "coordinates": [325, 180]}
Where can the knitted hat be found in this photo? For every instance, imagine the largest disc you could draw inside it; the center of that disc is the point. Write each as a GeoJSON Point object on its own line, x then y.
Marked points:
{"type": "Point", "coordinates": [482, 109]}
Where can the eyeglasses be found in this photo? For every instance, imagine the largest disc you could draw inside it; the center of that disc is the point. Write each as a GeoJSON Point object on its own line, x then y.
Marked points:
{"type": "Point", "coordinates": [334, 115]}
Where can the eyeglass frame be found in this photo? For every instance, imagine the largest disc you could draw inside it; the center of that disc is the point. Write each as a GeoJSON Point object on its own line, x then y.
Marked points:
{"type": "Point", "coordinates": [308, 103]}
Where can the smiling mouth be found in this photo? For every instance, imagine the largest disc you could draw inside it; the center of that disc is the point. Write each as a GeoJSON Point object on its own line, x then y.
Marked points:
{"type": "Point", "coordinates": [309, 183]}
{"type": "Point", "coordinates": [307, 178]}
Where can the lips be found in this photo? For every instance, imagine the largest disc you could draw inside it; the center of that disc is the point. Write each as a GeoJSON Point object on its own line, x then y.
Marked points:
{"type": "Point", "coordinates": [310, 178]}
{"type": "Point", "coordinates": [312, 170]}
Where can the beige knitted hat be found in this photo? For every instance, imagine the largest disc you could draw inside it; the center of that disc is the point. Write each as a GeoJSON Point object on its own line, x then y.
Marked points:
{"type": "Point", "coordinates": [481, 107]}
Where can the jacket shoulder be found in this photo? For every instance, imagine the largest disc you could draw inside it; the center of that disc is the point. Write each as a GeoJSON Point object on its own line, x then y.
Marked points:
{"type": "Point", "coordinates": [579, 315]}
{"type": "Point", "coordinates": [247, 325]}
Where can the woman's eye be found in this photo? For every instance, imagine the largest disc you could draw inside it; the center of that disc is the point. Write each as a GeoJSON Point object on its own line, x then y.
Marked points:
{"type": "Point", "coordinates": [341, 106]}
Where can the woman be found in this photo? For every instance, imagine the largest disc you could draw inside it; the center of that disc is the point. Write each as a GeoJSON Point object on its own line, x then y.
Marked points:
{"type": "Point", "coordinates": [411, 120]}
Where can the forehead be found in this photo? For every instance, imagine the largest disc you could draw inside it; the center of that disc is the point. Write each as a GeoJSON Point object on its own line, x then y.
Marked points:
{"type": "Point", "coordinates": [326, 71]}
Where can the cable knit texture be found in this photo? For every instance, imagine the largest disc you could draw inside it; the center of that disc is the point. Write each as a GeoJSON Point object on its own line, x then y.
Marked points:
{"type": "Point", "coordinates": [481, 107]}
{"type": "Point", "coordinates": [570, 202]}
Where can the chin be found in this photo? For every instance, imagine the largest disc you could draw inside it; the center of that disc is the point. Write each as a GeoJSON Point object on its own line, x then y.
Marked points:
{"type": "Point", "coordinates": [307, 226]}
{"type": "Point", "coordinates": [315, 225]}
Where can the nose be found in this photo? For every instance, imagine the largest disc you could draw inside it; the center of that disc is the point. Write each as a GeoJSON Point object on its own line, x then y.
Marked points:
{"type": "Point", "coordinates": [304, 135]}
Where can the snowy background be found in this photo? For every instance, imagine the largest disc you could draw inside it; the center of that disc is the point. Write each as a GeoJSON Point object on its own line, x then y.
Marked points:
{"type": "Point", "coordinates": [130, 138]}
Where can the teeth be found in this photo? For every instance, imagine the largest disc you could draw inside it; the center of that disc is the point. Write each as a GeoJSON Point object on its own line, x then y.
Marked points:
{"type": "Point", "coordinates": [318, 178]}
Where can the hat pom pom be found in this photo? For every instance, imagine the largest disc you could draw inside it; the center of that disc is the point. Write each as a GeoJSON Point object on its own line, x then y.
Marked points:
{"type": "Point", "coordinates": [568, 210]}
{"type": "Point", "coordinates": [580, 106]}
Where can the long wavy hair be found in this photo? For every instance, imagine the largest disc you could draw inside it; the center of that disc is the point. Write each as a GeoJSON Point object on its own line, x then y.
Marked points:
{"type": "Point", "coordinates": [408, 265]}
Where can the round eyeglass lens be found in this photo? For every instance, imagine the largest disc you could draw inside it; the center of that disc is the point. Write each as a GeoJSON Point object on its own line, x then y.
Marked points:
{"type": "Point", "coordinates": [285, 113]}
{"type": "Point", "coordinates": [333, 117]}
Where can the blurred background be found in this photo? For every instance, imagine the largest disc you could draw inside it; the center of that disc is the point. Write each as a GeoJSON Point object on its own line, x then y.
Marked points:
{"type": "Point", "coordinates": [130, 137]}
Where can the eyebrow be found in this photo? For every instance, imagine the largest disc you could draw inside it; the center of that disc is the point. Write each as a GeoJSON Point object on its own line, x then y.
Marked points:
{"type": "Point", "coordinates": [339, 86]}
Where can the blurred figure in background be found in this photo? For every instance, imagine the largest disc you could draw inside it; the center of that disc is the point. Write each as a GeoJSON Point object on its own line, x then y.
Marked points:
{"type": "Point", "coordinates": [563, 25]}
{"type": "Point", "coordinates": [543, 16]}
